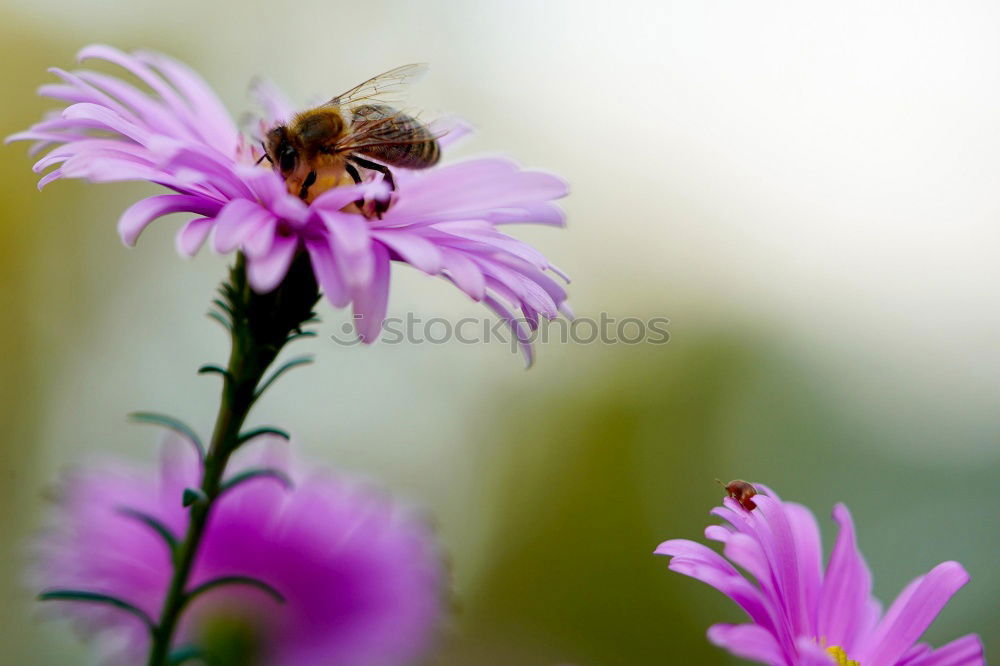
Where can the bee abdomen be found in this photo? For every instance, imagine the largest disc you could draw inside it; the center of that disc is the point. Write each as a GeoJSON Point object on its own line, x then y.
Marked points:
{"type": "Point", "coordinates": [395, 138]}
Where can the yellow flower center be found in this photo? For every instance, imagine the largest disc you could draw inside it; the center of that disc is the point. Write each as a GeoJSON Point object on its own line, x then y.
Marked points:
{"type": "Point", "coordinates": [841, 657]}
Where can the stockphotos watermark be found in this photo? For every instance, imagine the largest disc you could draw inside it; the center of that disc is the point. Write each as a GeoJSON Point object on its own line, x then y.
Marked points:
{"type": "Point", "coordinates": [605, 329]}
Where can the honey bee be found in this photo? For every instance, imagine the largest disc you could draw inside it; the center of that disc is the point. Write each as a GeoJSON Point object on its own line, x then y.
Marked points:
{"type": "Point", "coordinates": [321, 147]}
{"type": "Point", "coordinates": [742, 492]}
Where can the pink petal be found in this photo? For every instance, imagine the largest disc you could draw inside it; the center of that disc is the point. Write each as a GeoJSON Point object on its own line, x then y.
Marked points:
{"type": "Point", "coordinates": [522, 336]}
{"type": "Point", "coordinates": [34, 135]}
{"type": "Point", "coordinates": [236, 222]}
{"type": "Point", "coordinates": [550, 286]}
{"type": "Point", "coordinates": [110, 149]}
{"type": "Point", "coordinates": [276, 106]}
{"type": "Point", "coordinates": [156, 115]}
{"type": "Point", "coordinates": [757, 606]}
{"type": "Point", "coordinates": [474, 186]}
{"type": "Point", "coordinates": [911, 614]}
{"type": "Point", "coordinates": [372, 300]}
{"type": "Point", "coordinates": [464, 273]}
{"type": "Point", "coordinates": [192, 236]}
{"type": "Point", "coordinates": [102, 118]}
{"type": "Point", "coordinates": [135, 66]}
{"type": "Point", "coordinates": [487, 242]}
{"type": "Point", "coordinates": [81, 91]}
{"type": "Point", "coordinates": [747, 552]}
{"type": "Point", "coordinates": [211, 166]}
{"type": "Point", "coordinates": [270, 189]}
{"type": "Point", "coordinates": [55, 174]}
{"type": "Point", "coordinates": [748, 641]}
{"type": "Point", "coordinates": [450, 130]}
{"type": "Point", "coordinates": [265, 272]}
{"type": "Point", "coordinates": [809, 554]}
{"type": "Point", "coordinates": [718, 533]}
{"type": "Point", "coordinates": [811, 654]}
{"type": "Point", "coordinates": [847, 588]}
{"type": "Point", "coordinates": [534, 212]}
{"type": "Point", "coordinates": [337, 197]}
{"type": "Point", "coordinates": [265, 183]}
{"type": "Point", "coordinates": [524, 290]}
{"type": "Point", "coordinates": [327, 274]}
{"type": "Point", "coordinates": [180, 467]}
{"type": "Point", "coordinates": [260, 241]}
{"type": "Point", "coordinates": [214, 123]}
{"type": "Point", "coordinates": [784, 560]}
{"type": "Point", "coordinates": [414, 249]}
{"type": "Point", "coordinates": [352, 246]}
{"type": "Point", "coordinates": [965, 651]}
{"type": "Point", "coordinates": [65, 93]}
{"type": "Point", "coordinates": [138, 216]}
{"type": "Point", "coordinates": [696, 552]}
{"type": "Point", "coordinates": [915, 652]}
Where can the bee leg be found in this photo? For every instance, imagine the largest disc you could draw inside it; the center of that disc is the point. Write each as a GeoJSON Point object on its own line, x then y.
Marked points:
{"type": "Point", "coordinates": [352, 171]}
{"type": "Point", "coordinates": [306, 184]}
{"type": "Point", "coordinates": [380, 206]}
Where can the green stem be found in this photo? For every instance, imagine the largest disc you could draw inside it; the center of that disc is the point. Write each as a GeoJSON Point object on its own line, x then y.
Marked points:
{"type": "Point", "coordinates": [260, 325]}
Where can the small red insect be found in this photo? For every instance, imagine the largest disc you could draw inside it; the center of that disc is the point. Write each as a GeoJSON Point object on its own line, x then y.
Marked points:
{"type": "Point", "coordinates": [741, 491]}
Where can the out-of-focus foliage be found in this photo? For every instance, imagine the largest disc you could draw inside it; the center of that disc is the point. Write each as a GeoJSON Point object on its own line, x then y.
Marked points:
{"type": "Point", "coordinates": [596, 473]}
{"type": "Point", "coordinates": [26, 287]}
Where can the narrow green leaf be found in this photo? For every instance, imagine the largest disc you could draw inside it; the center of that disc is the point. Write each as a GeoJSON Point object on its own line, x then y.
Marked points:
{"type": "Point", "coordinates": [233, 580]}
{"type": "Point", "coordinates": [294, 363]}
{"type": "Point", "coordinates": [222, 305]}
{"type": "Point", "coordinates": [257, 473]}
{"type": "Point", "coordinates": [301, 334]}
{"type": "Point", "coordinates": [185, 653]}
{"type": "Point", "coordinates": [170, 422]}
{"type": "Point", "coordinates": [192, 496]}
{"type": "Point", "coordinates": [154, 524]}
{"type": "Point", "coordinates": [217, 316]}
{"type": "Point", "coordinates": [210, 368]}
{"type": "Point", "coordinates": [257, 432]}
{"type": "Point", "coordinates": [97, 598]}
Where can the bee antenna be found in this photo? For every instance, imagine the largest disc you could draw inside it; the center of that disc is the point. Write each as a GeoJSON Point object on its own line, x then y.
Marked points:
{"type": "Point", "coordinates": [720, 483]}
{"type": "Point", "coordinates": [265, 156]}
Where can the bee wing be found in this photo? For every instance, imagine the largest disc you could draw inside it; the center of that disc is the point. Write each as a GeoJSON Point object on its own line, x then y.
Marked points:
{"type": "Point", "coordinates": [386, 87]}
{"type": "Point", "coordinates": [380, 125]}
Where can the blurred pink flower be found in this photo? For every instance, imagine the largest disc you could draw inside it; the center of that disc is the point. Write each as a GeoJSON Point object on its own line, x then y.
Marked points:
{"type": "Point", "coordinates": [443, 221]}
{"type": "Point", "coordinates": [361, 577]}
{"type": "Point", "coordinates": [802, 615]}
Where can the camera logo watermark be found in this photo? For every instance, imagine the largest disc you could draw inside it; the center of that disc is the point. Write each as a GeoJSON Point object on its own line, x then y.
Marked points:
{"type": "Point", "coordinates": [604, 330]}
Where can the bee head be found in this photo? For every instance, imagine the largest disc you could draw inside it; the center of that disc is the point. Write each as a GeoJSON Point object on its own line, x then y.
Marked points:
{"type": "Point", "coordinates": [281, 151]}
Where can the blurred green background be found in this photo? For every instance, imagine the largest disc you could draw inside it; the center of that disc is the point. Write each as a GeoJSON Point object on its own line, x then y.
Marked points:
{"type": "Point", "coordinates": [806, 190]}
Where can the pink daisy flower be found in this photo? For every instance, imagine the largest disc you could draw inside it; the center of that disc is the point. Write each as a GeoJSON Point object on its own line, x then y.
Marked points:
{"type": "Point", "coordinates": [443, 221]}
{"type": "Point", "coordinates": [361, 577]}
{"type": "Point", "coordinates": [803, 615]}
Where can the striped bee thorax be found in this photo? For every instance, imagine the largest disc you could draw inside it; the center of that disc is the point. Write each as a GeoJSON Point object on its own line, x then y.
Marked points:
{"type": "Point", "coordinates": [393, 137]}
{"type": "Point", "coordinates": [317, 128]}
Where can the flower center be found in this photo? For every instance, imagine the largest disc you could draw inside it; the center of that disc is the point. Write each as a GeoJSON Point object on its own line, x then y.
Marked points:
{"type": "Point", "coordinates": [841, 657]}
